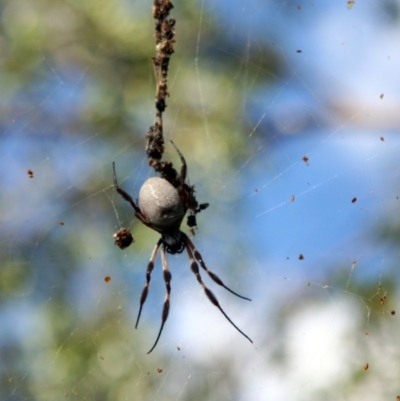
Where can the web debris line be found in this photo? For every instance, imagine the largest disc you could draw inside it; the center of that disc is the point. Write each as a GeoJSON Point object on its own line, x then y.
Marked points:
{"type": "Point", "coordinates": [164, 35]}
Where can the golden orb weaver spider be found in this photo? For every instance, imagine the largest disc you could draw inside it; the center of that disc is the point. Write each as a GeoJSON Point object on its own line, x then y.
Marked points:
{"type": "Point", "coordinates": [163, 208]}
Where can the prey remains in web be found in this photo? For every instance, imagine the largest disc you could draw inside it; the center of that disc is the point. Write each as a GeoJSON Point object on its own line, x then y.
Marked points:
{"type": "Point", "coordinates": [164, 201]}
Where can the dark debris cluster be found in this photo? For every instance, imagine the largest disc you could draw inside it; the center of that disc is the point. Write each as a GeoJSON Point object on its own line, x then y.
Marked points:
{"type": "Point", "coordinates": [123, 238]}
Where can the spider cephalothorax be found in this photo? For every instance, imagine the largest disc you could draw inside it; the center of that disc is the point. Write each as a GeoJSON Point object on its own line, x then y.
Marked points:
{"type": "Point", "coordinates": [162, 207]}
{"type": "Point", "coordinates": [174, 242]}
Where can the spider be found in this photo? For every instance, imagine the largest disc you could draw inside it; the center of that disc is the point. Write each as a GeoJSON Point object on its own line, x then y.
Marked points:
{"type": "Point", "coordinates": [162, 208]}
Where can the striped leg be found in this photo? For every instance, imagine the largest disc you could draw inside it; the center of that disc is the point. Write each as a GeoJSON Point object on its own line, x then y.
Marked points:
{"type": "Point", "coordinates": [167, 279]}
{"type": "Point", "coordinates": [145, 291]}
{"type": "Point", "coordinates": [195, 269]}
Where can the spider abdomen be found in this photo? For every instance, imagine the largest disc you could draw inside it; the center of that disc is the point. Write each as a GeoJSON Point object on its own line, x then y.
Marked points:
{"type": "Point", "coordinates": [161, 204]}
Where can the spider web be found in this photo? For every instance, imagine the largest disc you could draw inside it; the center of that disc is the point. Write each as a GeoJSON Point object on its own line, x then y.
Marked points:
{"type": "Point", "coordinates": [287, 114]}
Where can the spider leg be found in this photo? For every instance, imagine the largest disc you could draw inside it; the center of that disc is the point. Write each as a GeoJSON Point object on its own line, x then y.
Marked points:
{"type": "Point", "coordinates": [167, 279]}
{"type": "Point", "coordinates": [129, 199]}
{"type": "Point", "coordinates": [195, 269]}
{"type": "Point", "coordinates": [184, 165]}
{"type": "Point", "coordinates": [145, 291]}
{"type": "Point", "coordinates": [215, 278]}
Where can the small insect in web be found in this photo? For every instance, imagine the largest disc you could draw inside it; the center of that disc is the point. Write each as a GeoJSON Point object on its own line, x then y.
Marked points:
{"type": "Point", "coordinates": [162, 207]}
